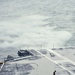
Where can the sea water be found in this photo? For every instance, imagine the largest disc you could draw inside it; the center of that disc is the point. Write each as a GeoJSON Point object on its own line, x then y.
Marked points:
{"type": "Point", "coordinates": [30, 23]}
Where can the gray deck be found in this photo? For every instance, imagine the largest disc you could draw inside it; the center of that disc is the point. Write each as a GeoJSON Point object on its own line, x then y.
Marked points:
{"type": "Point", "coordinates": [16, 69]}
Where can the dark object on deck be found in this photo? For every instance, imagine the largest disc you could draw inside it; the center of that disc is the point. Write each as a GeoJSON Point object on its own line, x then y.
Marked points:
{"type": "Point", "coordinates": [52, 55]}
{"type": "Point", "coordinates": [1, 63]}
{"type": "Point", "coordinates": [54, 73]}
{"type": "Point", "coordinates": [24, 53]}
{"type": "Point", "coordinates": [9, 57]}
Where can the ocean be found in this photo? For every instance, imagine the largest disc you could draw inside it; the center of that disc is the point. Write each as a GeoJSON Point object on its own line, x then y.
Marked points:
{"type": "Point", "coordinates": [36, 24]}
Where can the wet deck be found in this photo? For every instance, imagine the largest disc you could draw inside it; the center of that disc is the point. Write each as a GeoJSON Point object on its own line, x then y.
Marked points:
{"type": "Point", "coordinates": [31, 65]}
{"type": "Point", "coordinates": [16, 69]}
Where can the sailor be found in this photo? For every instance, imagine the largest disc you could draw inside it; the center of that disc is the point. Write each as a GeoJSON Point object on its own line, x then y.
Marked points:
{"type": "Point", "coordinates": [54, 73]}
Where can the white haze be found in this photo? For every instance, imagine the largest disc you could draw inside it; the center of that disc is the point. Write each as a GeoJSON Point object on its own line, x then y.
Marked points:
{"type": "Point", "coordinates": [31, 31]}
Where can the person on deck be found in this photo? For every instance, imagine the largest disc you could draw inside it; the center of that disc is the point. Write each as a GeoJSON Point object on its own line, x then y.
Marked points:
{"type": "Point", "coordinates": [54, 73]}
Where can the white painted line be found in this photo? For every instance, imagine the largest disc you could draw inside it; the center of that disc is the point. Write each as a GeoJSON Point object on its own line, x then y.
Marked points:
{"type": "Point", "coordinates": [1, 66]}
{"type": "Point", "coordinates": [56, 63]}
{"type": "Point", "coordinates": [62, 57]}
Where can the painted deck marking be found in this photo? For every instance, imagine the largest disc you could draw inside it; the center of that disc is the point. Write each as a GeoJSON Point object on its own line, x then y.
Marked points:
{"type": "Point", "coordinates": [56, 61]}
